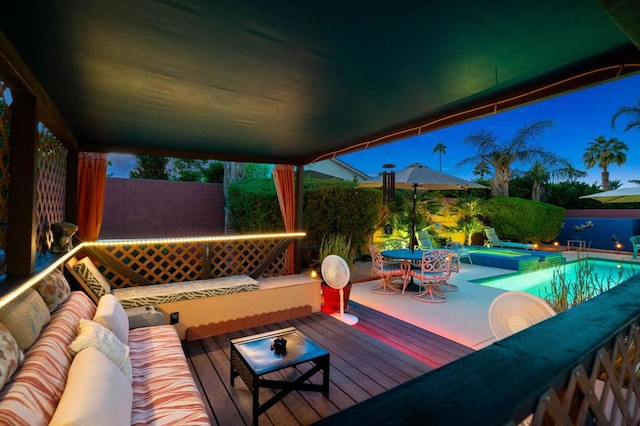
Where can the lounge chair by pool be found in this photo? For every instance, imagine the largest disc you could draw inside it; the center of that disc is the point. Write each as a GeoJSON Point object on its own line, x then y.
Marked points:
{"type": "Point", "coordinates": [495, 241]}
{"type": "Point", "coordinates": [635, 243]}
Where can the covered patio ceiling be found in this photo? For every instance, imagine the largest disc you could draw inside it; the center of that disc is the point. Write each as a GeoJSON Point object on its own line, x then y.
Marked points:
{"type": "Point", "coordinates": [293, 81]}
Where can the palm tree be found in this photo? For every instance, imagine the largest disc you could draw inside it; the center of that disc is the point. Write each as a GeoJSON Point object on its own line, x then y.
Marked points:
{"type": "Point", "coordinates": [636, 181]}
{"type": "Point", "coordinates": [633, 111]}
{"type": "Point", "coordinates": [540, 173]}
{"type": "Point", "coordinates": [440, 148]}
{"type": "Point", "coordinates": [469, 226]}
{"type": "Point", "coordinates": [615, 184]}
{"type": "Point", "coordinates": [539, 176]}
{"type": "Point", "coordinates": [605, 152]}
{"type": "Point", "coordinates": [481, 170]}
{"type": "Point", "coordinates": [501, 157]}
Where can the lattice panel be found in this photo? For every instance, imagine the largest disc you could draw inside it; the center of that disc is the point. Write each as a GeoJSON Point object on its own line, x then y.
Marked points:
{"type": "Point", "coordinates": [177, 262]}
{"type": "Point", "coordinates": [610, 394]}
{"type": "Point", "coordinates": [5, 131]}
{"type": "Point", "coordinates": [50, 187]}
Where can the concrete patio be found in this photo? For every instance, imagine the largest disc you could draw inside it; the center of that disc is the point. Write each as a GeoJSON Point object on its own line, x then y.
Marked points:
{"type": "Point", "coordinates": [463, 318]}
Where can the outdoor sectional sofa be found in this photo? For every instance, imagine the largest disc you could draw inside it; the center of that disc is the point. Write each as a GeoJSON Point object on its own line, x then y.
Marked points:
{"type": "Point", "coordinates": [67, 361]}
{"type": "Point", "coordinates": [203, 308]}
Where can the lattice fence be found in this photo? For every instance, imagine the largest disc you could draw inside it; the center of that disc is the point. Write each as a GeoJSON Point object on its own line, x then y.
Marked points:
{"type": "Point", "coordinates": [5, 131]}
{"type": "Point", "coordinates": [177, 262]}
{"type": "Point", "coordinates": [50, 187]}
{"type": "Point", "coordinates": [609, 394]}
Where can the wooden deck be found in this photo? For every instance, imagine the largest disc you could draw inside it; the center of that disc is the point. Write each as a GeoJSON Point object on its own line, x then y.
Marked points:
{"type": "Point", "coordinates": [379, 353]}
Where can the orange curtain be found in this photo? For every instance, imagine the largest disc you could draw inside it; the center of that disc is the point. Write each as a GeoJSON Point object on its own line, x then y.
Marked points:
{"type": "Point", "coordinates": [92, 183]}
{"type": "Point", "coordinates": [283, 179]}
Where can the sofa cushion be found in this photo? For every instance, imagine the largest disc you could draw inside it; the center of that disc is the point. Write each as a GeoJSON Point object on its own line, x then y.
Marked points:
{"type": "Point", "coordinates": [54, 289]}
{"type": "Point", "coordinates": [32, 394]}
{"type": "Point", "coordinates": [112, 315]}
{"type": "Point", "coordinates": [96, 393]}
{"type": "Point", "coordinates": [11, 356]}
{"type": "Point", "coordinates": [24, 317]}
{"type": "Point", "coordinates": [92, 334]}
{"type": "Point", "coordinates": [164, 392]}
{"type": "Point", "coordinates": [92, 276]}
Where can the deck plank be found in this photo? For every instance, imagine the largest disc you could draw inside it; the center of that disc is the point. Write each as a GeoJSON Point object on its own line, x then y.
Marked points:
{"type": "Point", "coordinates": [428, 347]}
{"type": "Point", "coordinates": [380, 353]}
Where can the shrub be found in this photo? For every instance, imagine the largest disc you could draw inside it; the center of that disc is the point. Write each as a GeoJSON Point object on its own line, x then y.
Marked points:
{"type": "Point", "coordinates": [524, 220]}
{"type": "Point", "coordinates": [330, 206]}
{"type": "Point", "coordinates": [564, 292]}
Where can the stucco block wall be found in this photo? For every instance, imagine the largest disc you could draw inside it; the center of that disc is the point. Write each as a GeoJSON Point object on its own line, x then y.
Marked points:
{"type": "Point", "coordinates": [155, 208]}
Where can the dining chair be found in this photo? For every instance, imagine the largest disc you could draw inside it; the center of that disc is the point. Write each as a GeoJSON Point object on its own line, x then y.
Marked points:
{"type": "Point", "coordinates": [394, 244]}
{"type": "Point", "coordinates": [459, 251]}
{"type": "Point", "coordinates": [387, 271]}
{"type": "Point", "coordinates": [433, 272]}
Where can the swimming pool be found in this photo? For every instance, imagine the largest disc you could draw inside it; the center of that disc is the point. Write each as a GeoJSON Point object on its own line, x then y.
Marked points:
{"type": "Point", "coordinates": [517, 260]}
{"type": "Point", "coordinates": [539, 282]}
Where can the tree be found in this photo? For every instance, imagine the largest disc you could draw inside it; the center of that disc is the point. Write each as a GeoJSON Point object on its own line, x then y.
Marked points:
{"type": "Point", "coordinates": [636, 181]}
{"type": "Point", "coordinates": [257, 171]}
{"type": "Point", "coordinates": [440, 149]}
{"type": "Point", "coordinates": [481, 170]}
{"type": "Point", "coordinates": [191, 170]}
{"type": "Point", "coordinates": [150, 167]}
{"type": "Point", "coordinates": [604, 152]}
{"type": "Point", "coordinates": [633, 111]}
{"type": "Point", "coordinates": [501, 157]}
{"type": "Point", "coordinates": [233, 172]}
{"type": "Point", "coordinates": [540, 174]}
{"type": "Point", "coordinates": [188, 170]}
{"type": "Point", "coordinates": [615, 184]}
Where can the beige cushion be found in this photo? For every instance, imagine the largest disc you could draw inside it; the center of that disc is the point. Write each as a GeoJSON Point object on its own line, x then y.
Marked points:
{"type": "Point", "coordinates": [92, 334]}
{"type": "Point", "coordinates": [96, 393]}
{"type": "Point", "coordinates": [11, 356]}
{"type": "Point", "coordinates": [92, 276]}
{"type": "Point", "coordinates": [54, 289]}
{"type": "Point", "coordinates": [24, 317]}
{"type": "Point", "coordinates": [112, 315]}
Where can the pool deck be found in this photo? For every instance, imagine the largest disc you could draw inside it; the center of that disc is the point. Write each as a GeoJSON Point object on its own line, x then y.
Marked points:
{"type": "Point", "coordinates": [464, 316]}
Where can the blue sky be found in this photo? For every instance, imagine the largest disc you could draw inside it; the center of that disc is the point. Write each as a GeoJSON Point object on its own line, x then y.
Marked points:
{"type": "Point", "coordinates": [579, 117]}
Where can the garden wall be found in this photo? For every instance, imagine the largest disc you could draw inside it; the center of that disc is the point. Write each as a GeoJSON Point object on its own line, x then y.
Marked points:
{"type": "Point", "coordinates": [136, 208]}
{"type": "Point", "coordinates": [606, 224]}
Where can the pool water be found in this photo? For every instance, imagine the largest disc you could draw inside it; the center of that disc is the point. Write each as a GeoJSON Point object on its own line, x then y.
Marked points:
{"type": "Point", "coordinates": [538, 283]}
{"type": "Point", "coordinates": [499, 252]}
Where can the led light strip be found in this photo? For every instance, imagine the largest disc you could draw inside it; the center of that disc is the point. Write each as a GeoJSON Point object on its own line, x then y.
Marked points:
{"type": "Point", "coordinates": [33, 280]}
{"type": "Point", "coordinates": [199, 239]}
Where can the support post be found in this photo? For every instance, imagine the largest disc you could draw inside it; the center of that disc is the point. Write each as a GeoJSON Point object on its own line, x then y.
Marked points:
{"type": "Point", "coordinates": [21, 234]}
{"type": "Point", "coordinates": [299, 196]}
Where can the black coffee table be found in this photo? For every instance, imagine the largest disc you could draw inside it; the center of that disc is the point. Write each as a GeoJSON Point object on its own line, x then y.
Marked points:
{"type": "Point", "coordinates": [253, 356]}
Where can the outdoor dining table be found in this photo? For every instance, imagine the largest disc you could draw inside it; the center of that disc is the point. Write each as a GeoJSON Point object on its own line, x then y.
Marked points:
{"type": "Point", "coordinates": [405, 255]}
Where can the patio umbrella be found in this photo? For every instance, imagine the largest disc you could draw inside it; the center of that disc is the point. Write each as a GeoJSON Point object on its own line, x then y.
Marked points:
{"type": "Point", "coordinates": [620, 195]}
{"type": "Point", "coordinates": [416, 176]}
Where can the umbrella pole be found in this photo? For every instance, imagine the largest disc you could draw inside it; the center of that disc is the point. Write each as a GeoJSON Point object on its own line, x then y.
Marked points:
{"type": "Point", "coordinates": [413, 219]}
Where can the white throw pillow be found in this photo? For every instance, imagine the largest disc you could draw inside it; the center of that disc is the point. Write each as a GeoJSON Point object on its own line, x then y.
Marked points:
{"type": "Point", "coordinates": [92, 334]}
{"type": "Point", "coordinates": [96, 393]}
{"type": "Point", "coordinates": [112, 315]}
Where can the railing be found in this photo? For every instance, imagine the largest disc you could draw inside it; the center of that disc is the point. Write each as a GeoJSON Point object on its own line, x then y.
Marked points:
{"type": "Point", "coordinates": [128, 263]}
{"type": "Point", "coordinates": [156, 261]}
{"type": "Point", "coordinates": [578, 367]}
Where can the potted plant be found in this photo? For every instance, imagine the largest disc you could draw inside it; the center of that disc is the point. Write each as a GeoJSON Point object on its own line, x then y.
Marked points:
{"type": "Point", "coordinates": [339, 245]}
